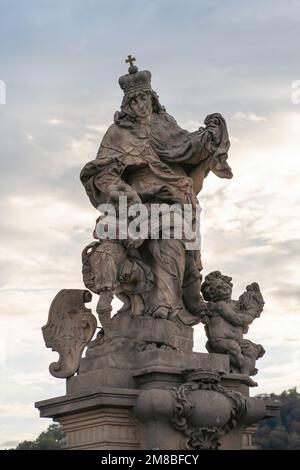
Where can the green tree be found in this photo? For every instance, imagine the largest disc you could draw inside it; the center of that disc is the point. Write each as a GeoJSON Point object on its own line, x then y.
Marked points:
{"type": "Point", "coordinates": [282, 431]}
{"type": "Point", "coordinates": [51, 439]}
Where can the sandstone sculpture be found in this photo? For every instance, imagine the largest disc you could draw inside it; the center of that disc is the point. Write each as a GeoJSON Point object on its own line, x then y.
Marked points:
{"type": "Point", "coordinates": [147, 157]}
{"type": "Point", "coordinates": [227, 320]}
{"type": "Point", "coordinates": [140, 385]}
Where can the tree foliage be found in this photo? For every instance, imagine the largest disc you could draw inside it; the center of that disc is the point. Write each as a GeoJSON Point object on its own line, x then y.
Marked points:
{"type": "Point", "coordinates": [51, 439]}
{"type": "Point", "coordinates": [283, 431]}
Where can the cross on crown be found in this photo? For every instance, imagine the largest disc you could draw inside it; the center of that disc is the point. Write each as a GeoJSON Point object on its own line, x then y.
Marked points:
{"type": "Point", "coordinates": [130, 60]}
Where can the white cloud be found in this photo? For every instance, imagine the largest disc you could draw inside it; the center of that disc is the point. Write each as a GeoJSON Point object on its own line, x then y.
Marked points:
{"type": "Point", "coordinates": [100, 129]}
{"type": "Point", "coordinates": [55, 121]}
{"type": "Point", "coordinates": [191, 125]}
{"type": "Point", "coordinates": [252, 117]}
{"type": "Point", "coordinates": [15, 409]}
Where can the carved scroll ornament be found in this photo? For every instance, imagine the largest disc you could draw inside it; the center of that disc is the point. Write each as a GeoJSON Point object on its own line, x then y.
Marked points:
{"type": "Point", "coordinates": [69, 329]}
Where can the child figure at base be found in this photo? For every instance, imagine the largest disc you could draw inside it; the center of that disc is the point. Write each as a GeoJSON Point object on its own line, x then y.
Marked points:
{"type": "Point", "coordinates": [228, 320]}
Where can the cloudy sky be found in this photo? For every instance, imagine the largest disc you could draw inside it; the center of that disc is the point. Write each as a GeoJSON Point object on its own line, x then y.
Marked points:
{"type": "Point", "coordinates": [60, 62]}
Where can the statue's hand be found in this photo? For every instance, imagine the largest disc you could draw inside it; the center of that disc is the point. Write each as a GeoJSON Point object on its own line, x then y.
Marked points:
{"type": "Point", "coordinates": [158, 191]}
{"type": "Point", "coordinates": [123, 189]}
{"type": "Point", "coordinates": [206, 312]}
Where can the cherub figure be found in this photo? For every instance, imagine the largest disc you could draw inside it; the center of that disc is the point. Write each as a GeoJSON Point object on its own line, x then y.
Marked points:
{"type": "Point", "coordinates": [227, 320]}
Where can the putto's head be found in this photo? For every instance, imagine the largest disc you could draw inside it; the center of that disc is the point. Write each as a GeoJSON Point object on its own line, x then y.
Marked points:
{"type": "Point", "coordinates": [216, 287]}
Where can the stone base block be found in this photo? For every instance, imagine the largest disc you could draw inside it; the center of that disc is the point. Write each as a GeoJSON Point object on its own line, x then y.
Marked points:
{"type": "Point", "coordinates": [120, 369]}
{"type": "Point", "coordinates": [109, 428]}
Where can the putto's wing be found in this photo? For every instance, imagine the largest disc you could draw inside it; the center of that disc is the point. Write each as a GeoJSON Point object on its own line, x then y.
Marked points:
{"type": "Point", "coordinates": [252, 301]}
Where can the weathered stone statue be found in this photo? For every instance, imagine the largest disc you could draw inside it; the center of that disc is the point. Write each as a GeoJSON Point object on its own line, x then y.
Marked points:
{"type": "Point", "coordinates": [147, 157]}
{"type": "Point", "coordinates": [227, 320]}
{"type": "Point", "coordinates": [140, 385]}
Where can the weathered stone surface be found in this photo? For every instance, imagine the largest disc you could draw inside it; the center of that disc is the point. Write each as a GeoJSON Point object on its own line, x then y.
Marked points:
{"type": "Point", "coordinates": [128, 333]}
{"type": "Point", "coordinates": [69, 329]}
{"type": "Point", "coordinates": [201, 409]}
{"type": "Point", "coordinates": [100, 397]}
{"type": "Point", "coordinates": [103, 418]}
{"type": "Point", "coordinates": [124, 369]}
{"type": "Point", "coordinates": [112, 428]}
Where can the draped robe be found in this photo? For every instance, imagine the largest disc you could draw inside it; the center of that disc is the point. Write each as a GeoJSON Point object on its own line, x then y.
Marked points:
{"type": "Point", "coordinates": [162, 163]}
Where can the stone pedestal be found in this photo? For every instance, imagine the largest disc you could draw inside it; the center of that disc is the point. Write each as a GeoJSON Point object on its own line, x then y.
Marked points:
{"type": "Point", "coordinates": [100, 409]}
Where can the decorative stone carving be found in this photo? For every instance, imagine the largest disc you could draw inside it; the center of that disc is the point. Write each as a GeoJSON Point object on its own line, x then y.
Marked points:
{"type": "Point", "coordinates": [69, 329]}
{"type": "Point", "coordinates": [227, 320]}
{"type": "Point", "coordinates": [108, 270]}
{"type": "Point", "coordinates": [194, 415]}
{"type": "Point", "coordinates": [187, 417]}
{"type": "Point", "coordinates": [204, 438]}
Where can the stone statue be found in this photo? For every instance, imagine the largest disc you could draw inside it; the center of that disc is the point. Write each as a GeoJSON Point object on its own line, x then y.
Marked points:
{"type": "Point", "coordinates": [140, 384]}
{"type": "Point", "coordinates": [227, 320]}
{"type": "Point", "coordinates": [148, 158]}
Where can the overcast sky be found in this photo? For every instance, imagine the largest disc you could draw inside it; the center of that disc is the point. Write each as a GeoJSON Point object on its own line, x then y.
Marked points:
{"type": "Point", "coordinates": [60, 61]}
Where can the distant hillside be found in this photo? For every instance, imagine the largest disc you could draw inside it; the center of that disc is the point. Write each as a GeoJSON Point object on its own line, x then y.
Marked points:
{"type": "Point", "coordinates": [282, 432]}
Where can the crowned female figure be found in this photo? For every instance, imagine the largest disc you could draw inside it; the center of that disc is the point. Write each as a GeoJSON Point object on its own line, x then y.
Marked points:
{"type": "Point", "coordinates": [147, 157]}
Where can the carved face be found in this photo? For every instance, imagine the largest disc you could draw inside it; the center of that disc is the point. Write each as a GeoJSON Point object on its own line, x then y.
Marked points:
{"type": "Point", "coordinates": [216, 290]}
{"type": "Point", "coordinates": [141, 105]}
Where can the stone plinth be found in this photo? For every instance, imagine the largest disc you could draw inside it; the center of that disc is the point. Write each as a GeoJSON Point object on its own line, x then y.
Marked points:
{"type": "Point", "coordinates": [95, 416]}
{"type": "Point", "coordinates": [134, 344]}
{"type": "Point", "coordinates": [99, 420]}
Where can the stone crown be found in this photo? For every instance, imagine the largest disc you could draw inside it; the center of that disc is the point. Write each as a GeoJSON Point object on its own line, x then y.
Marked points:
{"type": "Point", "coordinates": [135, 81]}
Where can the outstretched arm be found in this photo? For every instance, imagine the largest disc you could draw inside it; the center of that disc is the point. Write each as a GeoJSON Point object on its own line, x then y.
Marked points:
{"type": "Point", "coordinates": [232, 316]}
{"type": "Point", "coordinates": [199, 152]}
